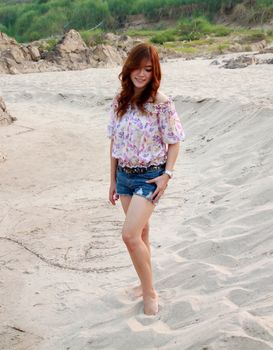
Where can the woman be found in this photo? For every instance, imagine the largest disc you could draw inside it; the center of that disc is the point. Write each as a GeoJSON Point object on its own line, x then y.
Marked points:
{"type": "Point", "coordinates": [145, 132]}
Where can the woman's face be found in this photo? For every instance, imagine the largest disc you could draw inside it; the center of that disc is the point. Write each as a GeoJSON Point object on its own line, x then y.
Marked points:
{"type": "Point", "coordinates": [142, 76]}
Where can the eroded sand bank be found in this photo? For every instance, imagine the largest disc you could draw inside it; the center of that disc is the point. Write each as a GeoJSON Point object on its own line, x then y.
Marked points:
{"type": "Point", "coordinates": [63, 266]}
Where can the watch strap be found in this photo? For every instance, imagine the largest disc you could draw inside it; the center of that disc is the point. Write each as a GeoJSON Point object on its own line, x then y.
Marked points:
{"type": "Point", "coordinates": [169, 173]}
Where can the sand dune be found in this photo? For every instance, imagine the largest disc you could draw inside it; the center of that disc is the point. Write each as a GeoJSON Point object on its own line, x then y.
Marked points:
{"type": "Point", "coordinates": [64, 270]}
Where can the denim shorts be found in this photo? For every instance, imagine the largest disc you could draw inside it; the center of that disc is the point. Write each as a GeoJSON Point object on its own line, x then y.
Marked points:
{"type": "Point", "coordinates": [130, 184]}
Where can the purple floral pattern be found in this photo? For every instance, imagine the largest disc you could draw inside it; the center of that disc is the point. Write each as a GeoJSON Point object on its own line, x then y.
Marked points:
{"type": "Point", "coordinates": [140, 140]}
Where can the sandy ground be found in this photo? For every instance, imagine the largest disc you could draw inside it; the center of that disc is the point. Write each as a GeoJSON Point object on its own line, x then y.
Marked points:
{"type": "Point", "coordinates": [64, 269]}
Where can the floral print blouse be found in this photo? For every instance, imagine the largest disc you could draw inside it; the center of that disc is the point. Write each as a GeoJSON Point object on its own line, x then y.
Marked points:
{"type": "Point", "coordinates": [141, 140]}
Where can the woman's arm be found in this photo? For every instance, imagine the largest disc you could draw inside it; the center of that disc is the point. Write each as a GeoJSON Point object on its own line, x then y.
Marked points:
{"type": "Point", "coordinates": [173, 150]}
{"type": "Point", "coordinates": [162, 180]}
{"type": "Point", "coordinates": [113, 170]}
{"type": "Point", "coordinates": [113, 165]}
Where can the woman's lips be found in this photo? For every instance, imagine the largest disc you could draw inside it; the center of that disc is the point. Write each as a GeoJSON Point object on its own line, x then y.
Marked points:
{"type": "Point", "coordinates": [140, 80]}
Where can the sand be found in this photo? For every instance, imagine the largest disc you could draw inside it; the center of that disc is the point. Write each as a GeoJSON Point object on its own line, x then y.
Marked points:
{"type": "Point", "coordinates": [64, 270]}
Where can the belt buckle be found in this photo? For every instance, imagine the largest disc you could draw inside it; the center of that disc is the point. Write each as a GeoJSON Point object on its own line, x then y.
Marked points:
{"type": "Point", "coordinates": [129, 170]}
{"type": "Point", "coordinates": [140, 170]}
{"type": "Point", "coordinates": [137, 170]}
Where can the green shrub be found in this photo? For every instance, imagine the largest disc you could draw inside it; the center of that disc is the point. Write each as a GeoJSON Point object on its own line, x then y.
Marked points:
{"type": "Point", "coordinates": [119, 10]}
{"type": "Point", "coordinates": [49, 45]}
{"type": "Point", "coordinates": [88, 14]}
{"type": "Point", "coordinates": [260, 15]}
{"type": "Point", "coordinates": [221, 30]}
{"type": "Point", "coordinates": [188, 50]}
{"type": "Point", "coordinates": [51, 23]}
{"type": "Point", "coordinates": [161, 38]}
{"type": "Point", "coordinates": [93, 37]}
{"type": "Point", "coordinates": [31, 37]}
{"type": "Point", "coordinates": [254, 37]}
{"type": "Point", "coordinates": [8, 15]}
{"type": "Point", "coordinates": [196, 28]}
{"type": "Point", "coordinates": [263, 2]}
{"type": "Point", "coordinates": [3, 28]}
{"type": "Point", "coordinates": [201, 42]}
{"type": "Point", "coordinates": [222, 47]}
{"type": "Point", "coordinates": [150, 8]}
{"type": "Point", "coordinates": [26, 19]}
{"type": "Point", "coordinates": [239, 13]}
{"type": "Point", "coordinates": [247, 48]}
{"type": "Point", "coordinates": [23, 22]}
{"type": "Point", "coordinates": [142, 32]}
{"type": "Point", "coordinates": [187, 30]}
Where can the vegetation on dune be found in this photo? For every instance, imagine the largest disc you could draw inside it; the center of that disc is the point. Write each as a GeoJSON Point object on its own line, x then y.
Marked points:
{"type": "Point", "coordinates": [252, 11]}
{"type": "Point", "coordinates": [93, 37]}
{"type": "Point", "coordinates": [49, 45]}
{"type": "Point", "coordinates": [196, 28]}
{"type": "Point", "coordinates": [30, 20]}
{"type": "Point", "coordinates": [190, 29]}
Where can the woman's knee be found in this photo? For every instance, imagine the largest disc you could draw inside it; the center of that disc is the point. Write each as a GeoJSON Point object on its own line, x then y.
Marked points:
{"type": "Point", "coordinates": [145, 231]}
{"type": "Point", "coordinates": [130, 238]}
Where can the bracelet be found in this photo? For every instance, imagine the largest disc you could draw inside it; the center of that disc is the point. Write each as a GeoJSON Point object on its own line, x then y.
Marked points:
{"type": "Point", "coordinates": [169, 173]}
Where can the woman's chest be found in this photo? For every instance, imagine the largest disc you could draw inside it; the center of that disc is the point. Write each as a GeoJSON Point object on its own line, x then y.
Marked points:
{"type": "Point", "coordinates": [135, 123]}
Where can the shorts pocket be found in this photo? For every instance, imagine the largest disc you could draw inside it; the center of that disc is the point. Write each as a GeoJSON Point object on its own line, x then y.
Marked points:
{"type": "Point", "coordinates": [153, 174]}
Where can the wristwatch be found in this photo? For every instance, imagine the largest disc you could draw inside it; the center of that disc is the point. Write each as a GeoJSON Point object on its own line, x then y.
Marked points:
{"type": "Point", "coordinates": [169, 173]}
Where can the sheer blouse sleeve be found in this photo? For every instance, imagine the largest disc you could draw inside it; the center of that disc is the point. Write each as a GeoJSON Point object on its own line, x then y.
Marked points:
{"type": "Point", "coordinates": [169, 123]}
{"type": "Point", "coordinates": [112, 119]}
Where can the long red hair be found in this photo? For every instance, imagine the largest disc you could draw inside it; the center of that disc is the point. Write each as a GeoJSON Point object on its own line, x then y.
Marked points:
{"type": "Point", "coordinates": [136, 56]}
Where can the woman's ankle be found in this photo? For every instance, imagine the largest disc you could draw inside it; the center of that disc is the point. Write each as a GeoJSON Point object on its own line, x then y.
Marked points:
{"type": "Point", "coordinates": [149, 293]}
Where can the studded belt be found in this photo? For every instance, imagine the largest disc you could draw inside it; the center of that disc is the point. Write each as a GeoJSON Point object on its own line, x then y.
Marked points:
{"type": "Point", "coordinates": [140, 170]}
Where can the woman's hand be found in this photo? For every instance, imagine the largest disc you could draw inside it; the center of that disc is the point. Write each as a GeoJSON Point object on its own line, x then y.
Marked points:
{"type": "Point", "coordinates": [113, 196]}
{"type": "Point", "coordinates": [161, 184]}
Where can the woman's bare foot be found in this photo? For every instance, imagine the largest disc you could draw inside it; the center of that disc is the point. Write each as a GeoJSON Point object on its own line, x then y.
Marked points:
{"type": "Point", "coordinates": [137, 291]}
{"type": "Point", "coordinates": [150, 304]}
{"type": "Point", "coordinates": [134, 292]}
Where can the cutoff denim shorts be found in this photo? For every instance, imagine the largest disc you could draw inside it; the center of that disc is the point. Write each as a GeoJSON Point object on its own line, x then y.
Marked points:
{"type": "Point", "coordinates": [134, 184]}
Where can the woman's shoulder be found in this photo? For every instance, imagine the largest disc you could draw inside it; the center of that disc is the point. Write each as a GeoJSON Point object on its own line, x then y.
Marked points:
{"type": "Point", "coordinates": [116, 96]}
{"type": "Point", "coordinates": [161, 101]}
{"type": "Point", "coordinates": [114, 102]}
{"type": "Point", "coordinates": [161, 98]}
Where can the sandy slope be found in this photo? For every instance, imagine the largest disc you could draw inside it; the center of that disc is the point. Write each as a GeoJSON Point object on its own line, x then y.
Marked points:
{"type": "Point", "coordinates": [63, 266]}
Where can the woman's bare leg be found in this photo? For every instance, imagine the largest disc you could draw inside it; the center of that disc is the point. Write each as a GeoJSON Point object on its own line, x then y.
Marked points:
{"type": "Point", "coordinates": [125, 201]}
{"type": "Point", "coordinates": [137, 216]}
{"type": "Point", "coordinates": [145, 237]}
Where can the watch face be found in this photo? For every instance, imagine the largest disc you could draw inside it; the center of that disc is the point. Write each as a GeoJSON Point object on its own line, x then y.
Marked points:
{"type": "Point", "coordinates": [168, 172]}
